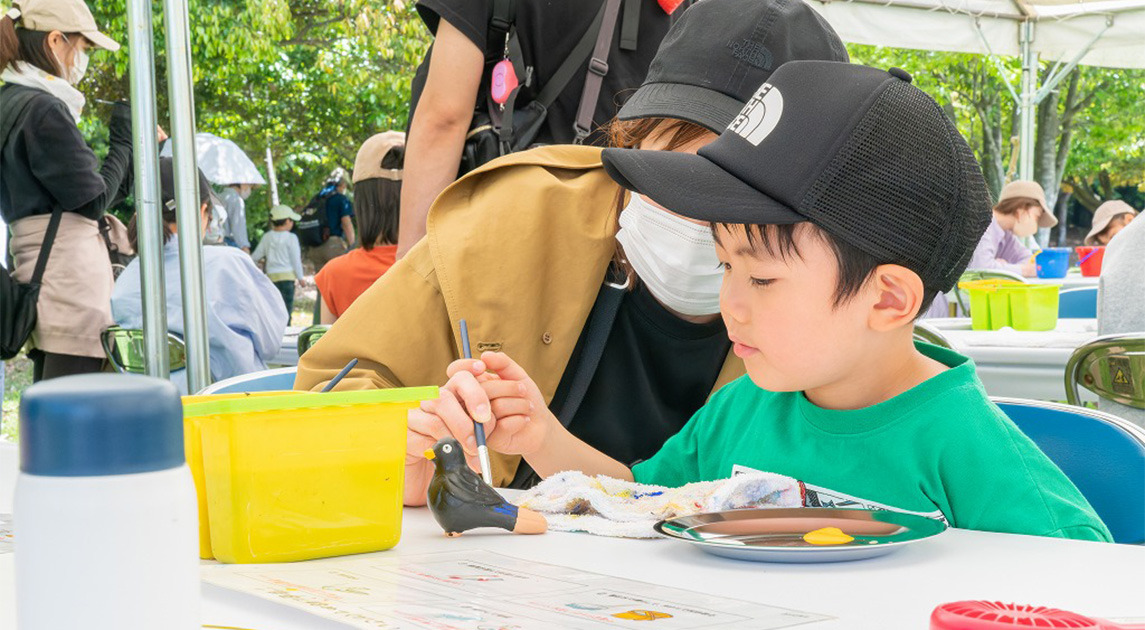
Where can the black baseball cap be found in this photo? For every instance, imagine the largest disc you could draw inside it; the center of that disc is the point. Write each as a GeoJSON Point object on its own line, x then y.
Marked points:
{"type": "Point", "coordinates": [718, 52]}
{"type": "Point", "coordinates": [858, 151]}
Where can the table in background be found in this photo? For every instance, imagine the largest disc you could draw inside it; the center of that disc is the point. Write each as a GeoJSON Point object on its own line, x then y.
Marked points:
{"type": "Point", "coordinates": [1072, 280]}
{"type": "Point", "coordinates": [1019, 364]}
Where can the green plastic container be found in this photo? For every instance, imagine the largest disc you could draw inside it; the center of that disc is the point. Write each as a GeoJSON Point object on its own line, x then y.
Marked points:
{"type": "Point", "coordinates": [996, 304]}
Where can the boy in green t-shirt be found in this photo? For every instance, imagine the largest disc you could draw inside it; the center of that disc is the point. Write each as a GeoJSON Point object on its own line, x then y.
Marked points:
{"type": "Point", "coordinates": [842, 200]}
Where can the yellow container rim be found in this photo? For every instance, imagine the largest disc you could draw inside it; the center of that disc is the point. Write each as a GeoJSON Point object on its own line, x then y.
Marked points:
{"type": "Point", "coordinates": [310, 400]}
{"type": "Point", "coordinates": [991, 284]}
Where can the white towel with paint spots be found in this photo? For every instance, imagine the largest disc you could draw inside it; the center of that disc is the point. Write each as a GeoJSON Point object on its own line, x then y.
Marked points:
{"type": "Point", "coordinates": [574, 502]}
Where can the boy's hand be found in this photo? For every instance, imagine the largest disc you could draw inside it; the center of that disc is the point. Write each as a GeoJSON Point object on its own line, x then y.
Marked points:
{"type": "Point", "coordinates": [494, 391]}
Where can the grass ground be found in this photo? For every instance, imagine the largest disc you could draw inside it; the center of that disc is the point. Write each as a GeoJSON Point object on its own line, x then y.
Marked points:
{"type": "Point", "coordinates": [18, 371]}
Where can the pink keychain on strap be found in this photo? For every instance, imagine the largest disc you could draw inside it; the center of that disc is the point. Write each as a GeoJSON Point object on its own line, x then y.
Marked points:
{"type": "Point", "coordinates": [503, 82]}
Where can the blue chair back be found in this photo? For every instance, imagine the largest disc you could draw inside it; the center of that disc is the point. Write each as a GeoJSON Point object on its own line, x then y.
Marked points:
{"type": "Point", "coordinates": [1103, 455]}
{"type": "Point", "coordinates": [1078, 303]}
{"type": "Point", "coordinates": [265, 381]}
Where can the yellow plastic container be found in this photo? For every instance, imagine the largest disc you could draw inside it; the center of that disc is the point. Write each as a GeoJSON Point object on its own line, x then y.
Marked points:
{"type": "Point", "coordinates": [302, 476]}
{"type": "Point", "coordinates": [996, 304]}
{"type": "Point", "coordinates": [193, 447]}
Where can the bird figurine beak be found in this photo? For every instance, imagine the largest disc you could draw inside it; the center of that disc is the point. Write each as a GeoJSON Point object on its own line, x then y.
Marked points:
{"type": "Point", "coordinates": [429, 453]}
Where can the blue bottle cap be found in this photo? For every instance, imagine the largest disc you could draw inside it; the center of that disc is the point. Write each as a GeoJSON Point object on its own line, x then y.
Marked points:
{"type": "Point", "coordinates": [100, 424]}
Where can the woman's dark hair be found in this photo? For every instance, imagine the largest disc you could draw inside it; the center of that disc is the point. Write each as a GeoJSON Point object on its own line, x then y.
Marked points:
{"type": "Point", "coordinates": [377, 204]}
{"type": "Point", "coordinates": [628, 134]}
{"type": "Point", "coordinates": [21, 44]}
{"type": "Point", "coordinates": [167, 198]}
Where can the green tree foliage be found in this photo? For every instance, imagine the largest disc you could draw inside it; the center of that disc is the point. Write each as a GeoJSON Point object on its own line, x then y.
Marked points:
{"type": "Point", "coordinates": [311, 79]}
{"type": "Point", "coordinates": [1091, 127]}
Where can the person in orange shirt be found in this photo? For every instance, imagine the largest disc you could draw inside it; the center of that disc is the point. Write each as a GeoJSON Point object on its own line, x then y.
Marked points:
{"type": "Point", "coordinates": [377, 193]}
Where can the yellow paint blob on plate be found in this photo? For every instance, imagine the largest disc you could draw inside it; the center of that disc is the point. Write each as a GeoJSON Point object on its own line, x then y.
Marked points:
{"type": "Point", "coordinates": [827, 536]}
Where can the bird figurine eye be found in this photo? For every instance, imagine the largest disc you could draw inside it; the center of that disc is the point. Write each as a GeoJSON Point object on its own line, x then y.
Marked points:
{"type": "Point", "coordinates": [447, 448]}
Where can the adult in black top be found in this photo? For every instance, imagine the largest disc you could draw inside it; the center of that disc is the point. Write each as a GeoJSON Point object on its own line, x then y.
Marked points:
{"type": "Point", "coordinates": [45, 164]}
{"type": "Point", "coordinates": [451, 76]}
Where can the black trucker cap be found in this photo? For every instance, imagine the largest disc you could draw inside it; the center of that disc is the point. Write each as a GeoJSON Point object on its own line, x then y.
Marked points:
{"type": "Point", "coordinates": [719, 51]}
{"type": "Point", "coordinates": [857, 151]}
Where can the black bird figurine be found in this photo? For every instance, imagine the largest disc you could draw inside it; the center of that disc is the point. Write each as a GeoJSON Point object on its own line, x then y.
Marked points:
{"type": "Point", "coordinates": [460, 500]}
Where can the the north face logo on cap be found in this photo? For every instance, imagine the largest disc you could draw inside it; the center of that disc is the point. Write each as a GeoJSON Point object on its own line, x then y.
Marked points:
{"type": "Point", "coordinates": [759, 117]}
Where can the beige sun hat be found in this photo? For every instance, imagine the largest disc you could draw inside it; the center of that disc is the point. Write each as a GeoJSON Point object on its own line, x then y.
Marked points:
{"type": "Point", "coordinates": [66, 16]}
{"type": "Point", "coordinates": [1032, 190]}
{"type": "Point", "coordinates": [281, 212]}
{"type": "Point", "coordinates": [368, 164]}
{"type": "Point", "coordinates": [1103, 215]}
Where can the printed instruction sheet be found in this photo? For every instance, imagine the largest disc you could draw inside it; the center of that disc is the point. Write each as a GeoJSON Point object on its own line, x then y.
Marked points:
{"type": "Point", "coordinates": [481, 590]}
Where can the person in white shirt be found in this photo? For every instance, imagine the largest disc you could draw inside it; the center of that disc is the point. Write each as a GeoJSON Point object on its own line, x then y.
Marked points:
{"type": "Point", "coordinates": [283, 255]}
{"type": "Point", "coordinates": [1121, 299]}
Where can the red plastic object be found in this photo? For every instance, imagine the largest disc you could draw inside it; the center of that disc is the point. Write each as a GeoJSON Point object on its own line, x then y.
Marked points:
{"type": "Point", "coordinates": [1090, 258]}
{"type": "Point", "coordinates": [981, 615]}
{"type": "Point", "coordinates": [503, 82]}
{"type": "Point", "coordinates": [670, 5]}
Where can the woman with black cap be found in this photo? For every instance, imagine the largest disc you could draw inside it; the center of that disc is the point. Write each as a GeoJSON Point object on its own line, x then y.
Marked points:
{"type": "Point", "coordinates": [51, 181]}
{"type": "Point", "coordinates": [609, 302]}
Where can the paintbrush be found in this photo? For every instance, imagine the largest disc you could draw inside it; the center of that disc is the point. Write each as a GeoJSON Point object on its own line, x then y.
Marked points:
{"type": "Point", "coordinates": [478, 428]}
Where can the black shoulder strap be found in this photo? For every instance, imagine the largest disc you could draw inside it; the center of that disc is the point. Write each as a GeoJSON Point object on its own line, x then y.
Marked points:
{"type": "Point", "coordinates": [597, 329]}
{"type": "Point", "coordinates": [502, 16]}
{"type": "Point", "coordinates": [630, 30]}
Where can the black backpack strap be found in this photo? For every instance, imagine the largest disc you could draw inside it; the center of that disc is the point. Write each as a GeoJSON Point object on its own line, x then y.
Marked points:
{"type": "Point", "coordinates": [502, 16]}
{"type": "Point", "coordinates": [597, 329]}
{"type": "Point", "coordinates": [630, 29]}
{"type": "Point", "coordinates": [597, 68]}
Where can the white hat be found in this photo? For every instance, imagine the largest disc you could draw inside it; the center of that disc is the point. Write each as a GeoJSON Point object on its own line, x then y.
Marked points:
{"type": "Point", "coordinates": [66, 16]}
{"type": "Point", "coordinates": [281, 212]}
{"type": "Point", "coordinates": [1103, 215]}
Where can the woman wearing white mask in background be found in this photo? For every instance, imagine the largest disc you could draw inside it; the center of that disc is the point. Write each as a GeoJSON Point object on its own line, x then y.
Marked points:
{"type": "Point", "coordinates": [609, 302]}
{"type": "Point", "coordinates": [44, 47]}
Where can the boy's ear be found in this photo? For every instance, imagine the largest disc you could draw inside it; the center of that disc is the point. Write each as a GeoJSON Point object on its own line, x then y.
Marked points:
{"type": "Point", "coordinates": [900, 293]}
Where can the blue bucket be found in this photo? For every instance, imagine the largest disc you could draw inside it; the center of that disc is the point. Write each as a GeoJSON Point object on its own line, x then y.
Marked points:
{"type": "Point", "coordinates": [1053, 262]}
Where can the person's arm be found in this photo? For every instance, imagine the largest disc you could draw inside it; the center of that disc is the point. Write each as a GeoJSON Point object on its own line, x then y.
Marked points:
{"type": "Point", "coordinates": [437, 131]}
{"type": "Point", "coordinates": [991, 253]}
{"type": "Point", "coordinates": [326, 316]}
{"type": "Point", "coordinates": [63, 163]}
{"type": "Point", "coordinates": [348, 230]}
{"type": "Point", "coordinates": [295, 257]}
{"type": "Point", "coordinates": [260, 250]}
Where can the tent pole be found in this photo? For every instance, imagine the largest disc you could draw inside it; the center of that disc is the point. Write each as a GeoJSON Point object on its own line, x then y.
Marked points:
{"type": "Point", "coordinates": [181, 95]}
{"type": "Point", "coordinates": [270, 171]}
{"type": "Point", "coordinates": [148, 215]}
{"type": "Point", "coordinates": [1029, 87]}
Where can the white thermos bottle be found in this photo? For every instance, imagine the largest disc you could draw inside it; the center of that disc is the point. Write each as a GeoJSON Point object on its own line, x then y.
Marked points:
{"type": "Point", "coordinates": [105, 522]}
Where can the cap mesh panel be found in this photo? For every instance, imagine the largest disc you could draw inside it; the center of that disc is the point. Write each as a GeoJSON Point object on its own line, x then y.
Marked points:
{"type": "Point", "coordinates": [905, 188]}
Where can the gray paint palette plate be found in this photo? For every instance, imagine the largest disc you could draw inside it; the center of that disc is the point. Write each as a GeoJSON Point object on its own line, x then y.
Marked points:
{"type": "Point", "coordinates": [776, 534]}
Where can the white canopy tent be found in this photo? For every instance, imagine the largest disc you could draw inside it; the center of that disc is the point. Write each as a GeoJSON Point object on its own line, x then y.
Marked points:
{"type": "Point", "coordinates": [1107, 33]}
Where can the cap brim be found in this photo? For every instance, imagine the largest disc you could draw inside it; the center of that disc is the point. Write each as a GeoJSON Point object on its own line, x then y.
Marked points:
{"type": "Point", "coordinates": [695, 187]}
{"type": "Point", "coordinates": [102, 41]}
{"type": "Point", "coordinates": [707, 108]}
{"type": "Point", "coordinates": [1047, 220]}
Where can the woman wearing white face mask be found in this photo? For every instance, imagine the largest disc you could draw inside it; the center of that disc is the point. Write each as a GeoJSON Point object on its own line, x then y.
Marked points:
{"type": "Point", "coordinates": [608, 302]}
{"type": "Point", "coordinates": [1020, 211]}
{"type": "Point", "coordinates": [46, 166]}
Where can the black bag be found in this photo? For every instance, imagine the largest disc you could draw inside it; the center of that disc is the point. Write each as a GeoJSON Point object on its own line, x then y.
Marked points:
{"type": "Point", "coordinates": [312, 228]}
{"type": "Point", "coordinates": [18, 301]}
{"type": "Point", "coordinates": [498, 130]}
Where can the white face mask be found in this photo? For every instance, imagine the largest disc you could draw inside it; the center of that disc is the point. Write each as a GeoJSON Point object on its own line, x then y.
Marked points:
{"type": "Point", "coordinates": [76, 73]}
{"type": "Point", "coordinates": [673, 256]}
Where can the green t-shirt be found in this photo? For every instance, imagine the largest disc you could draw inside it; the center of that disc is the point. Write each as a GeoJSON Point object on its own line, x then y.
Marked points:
{"type": "Point", "coordinates": [939, 447]}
